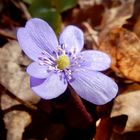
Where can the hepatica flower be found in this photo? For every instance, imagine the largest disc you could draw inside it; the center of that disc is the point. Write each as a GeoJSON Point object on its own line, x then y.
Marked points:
{"type": "Point", "coordinates": [58, 63]}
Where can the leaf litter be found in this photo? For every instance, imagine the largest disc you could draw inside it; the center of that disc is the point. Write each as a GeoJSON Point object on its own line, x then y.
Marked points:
{"type": "Point", "coordinates": [109, 26]}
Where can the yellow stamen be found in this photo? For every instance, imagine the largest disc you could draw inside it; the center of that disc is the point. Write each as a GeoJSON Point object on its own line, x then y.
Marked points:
{"type": "Point", "coordinates": [63, 62]}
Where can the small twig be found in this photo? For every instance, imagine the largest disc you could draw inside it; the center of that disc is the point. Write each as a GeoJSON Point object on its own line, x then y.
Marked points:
{"type": "Point", "coordinates": [24, 10]}
{"type": "Point", "coordinates": [92, 33]}
{"type": "Point", "coordinates": [20, 5]}
{"type": "Point", "coordinates": [7, 34]}
{"type": "Point", "coordinates": [27, 104]}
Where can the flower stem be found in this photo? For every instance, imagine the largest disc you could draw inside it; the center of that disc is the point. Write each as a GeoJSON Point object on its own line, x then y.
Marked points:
{"type": "Point", "coordinates": [76, 112]}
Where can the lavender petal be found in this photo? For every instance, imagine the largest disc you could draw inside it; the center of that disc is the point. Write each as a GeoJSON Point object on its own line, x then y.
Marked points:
{"type": "Point", "coordinates": [94, 87]}
{"type": "Point", "coordinates": [73, 39]}
{"type": "Point", "coordinates": [95, 60]}
{"type": "Point", "coordinates": [27, 44]}
{"type": "Point", "coordinates": [42, 34]}
{"type": "Point", "coordinates": [49, 88]}
{"type": "Point", "coordinates": [38, 71]}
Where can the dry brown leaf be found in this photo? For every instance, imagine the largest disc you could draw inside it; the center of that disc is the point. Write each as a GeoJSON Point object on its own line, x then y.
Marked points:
{"type": "Point", "coordinates": [7, 101]}
{"type": "Point", "coordinates": [15, 122]}
{"type": "Point", "coordinates": [12, 74]}
{"type": "Point", "coordinates": [124, 48]}
{"type": "Point", "coordinates": [116, 16]}
{"type": "Point", "coordinates": [126, 112]}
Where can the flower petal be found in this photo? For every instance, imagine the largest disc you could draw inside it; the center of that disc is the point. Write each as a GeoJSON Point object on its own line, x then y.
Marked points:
{"type": "Point", "coordinates": [49, 88]}
{"type": "Point", "coordinates": [94, 87]}
{"type": "Point", "coordinates": [73, 39]}
{"type": "Point", "coordinates": [27, 44]}
{"type": "Point", "coordinates": [38, 71]}
{"type": "Point", "coordinates": [95, 60]}
{"type": "Point", "coordinates": [42, 34]}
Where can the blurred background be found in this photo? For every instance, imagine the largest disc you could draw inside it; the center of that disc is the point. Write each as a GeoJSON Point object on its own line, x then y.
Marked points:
{"type": "Point", "coordinates": [111, 26]}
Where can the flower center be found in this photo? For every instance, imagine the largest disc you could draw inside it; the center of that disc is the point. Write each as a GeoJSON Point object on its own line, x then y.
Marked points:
{"type": "Point", "coordinates": [63, 62]}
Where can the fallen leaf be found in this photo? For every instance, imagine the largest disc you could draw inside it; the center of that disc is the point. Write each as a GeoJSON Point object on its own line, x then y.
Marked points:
{"type": "Point", "coordinates": [124, 48]}
{"type": "Point", "coordinates": [7, 101]}
{"type": "Point", "coordinates": [126, 113]}
{"type": "Point", "coordinates": [15, 122]}
{"type": "Point", "coordinates": [116, 16]}
{"type": "Point", "coordinates": [12, 73]}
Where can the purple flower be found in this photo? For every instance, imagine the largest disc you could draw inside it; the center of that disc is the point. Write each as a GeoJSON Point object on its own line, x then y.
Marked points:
{"type": "Point", "coordinates": [57, 63]}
